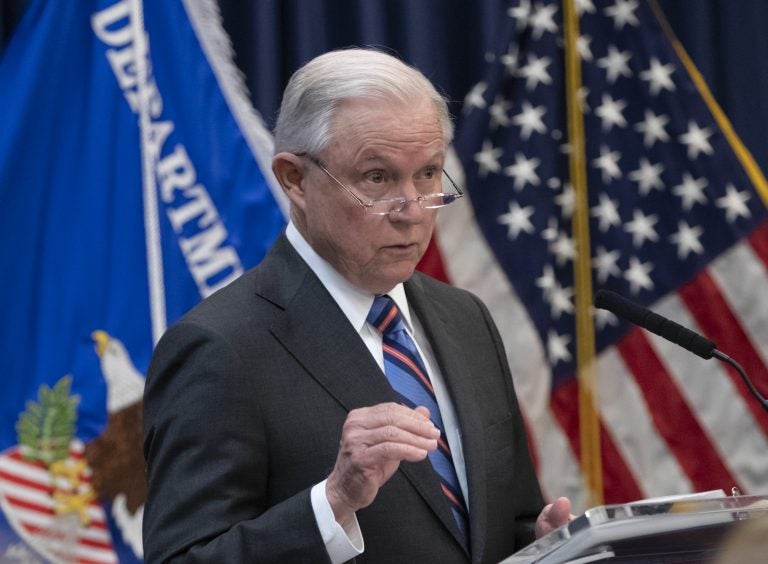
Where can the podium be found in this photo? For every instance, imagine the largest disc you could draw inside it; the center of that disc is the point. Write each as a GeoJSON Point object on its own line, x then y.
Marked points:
{"type": "Point", "coordinates": [676, 529]}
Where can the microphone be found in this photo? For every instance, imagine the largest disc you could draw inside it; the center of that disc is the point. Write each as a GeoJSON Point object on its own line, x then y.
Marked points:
{"type": "Point", "coordinates": [674, 332]}
{"type": "Point", "coordinates": [655, 323]}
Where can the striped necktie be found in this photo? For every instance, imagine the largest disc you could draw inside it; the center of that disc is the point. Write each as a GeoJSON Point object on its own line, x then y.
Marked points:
{"type": "Point", "coordinates": [405, 371]}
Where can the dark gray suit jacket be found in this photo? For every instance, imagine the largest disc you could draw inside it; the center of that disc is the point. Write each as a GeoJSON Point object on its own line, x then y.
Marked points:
{"type": "Point", "coordinates": [243, 409]}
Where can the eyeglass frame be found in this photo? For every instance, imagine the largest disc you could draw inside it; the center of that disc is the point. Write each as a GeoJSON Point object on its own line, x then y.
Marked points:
{"type": "Point", "coordinates": [367, 206]}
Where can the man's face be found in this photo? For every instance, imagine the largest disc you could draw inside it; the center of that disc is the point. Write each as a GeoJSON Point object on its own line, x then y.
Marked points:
{"type": "Point", "coordinates": [378, 150]}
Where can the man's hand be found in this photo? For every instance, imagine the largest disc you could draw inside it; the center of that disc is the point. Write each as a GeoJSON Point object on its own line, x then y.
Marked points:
{"type": "Point", "coordinates": [374, 441]}
{"type": "Point", "coordinates": [553, 516]}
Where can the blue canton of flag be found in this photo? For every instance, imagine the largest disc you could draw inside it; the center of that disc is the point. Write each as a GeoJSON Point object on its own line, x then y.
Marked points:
{"type": "Point", "coordinates": [677, 213]}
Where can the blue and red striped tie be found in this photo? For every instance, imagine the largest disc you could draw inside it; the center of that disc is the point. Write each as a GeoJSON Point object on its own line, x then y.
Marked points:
{"type": "Point", "coordinates": [406, 374]}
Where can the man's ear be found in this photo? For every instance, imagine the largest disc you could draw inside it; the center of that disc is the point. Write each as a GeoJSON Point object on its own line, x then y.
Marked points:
{"type": "Point", "coordinates": [289, 171]}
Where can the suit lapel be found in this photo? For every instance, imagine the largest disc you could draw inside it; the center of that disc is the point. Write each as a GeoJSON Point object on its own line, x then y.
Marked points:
{"type": "Point", "coordinates": [318, 334]}
{"type": "Point", "coordinates": [446, 342]}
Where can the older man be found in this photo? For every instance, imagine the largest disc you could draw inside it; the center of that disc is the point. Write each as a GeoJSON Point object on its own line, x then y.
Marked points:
{"type": "Point", "coordinates": [332, 403]}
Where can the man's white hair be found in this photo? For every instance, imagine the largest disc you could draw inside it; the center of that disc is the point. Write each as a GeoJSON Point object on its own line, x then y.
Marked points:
{"type": "Point", "coordinates": [316, 91]}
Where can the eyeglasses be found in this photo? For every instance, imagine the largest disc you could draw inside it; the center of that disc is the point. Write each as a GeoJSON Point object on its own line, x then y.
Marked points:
{"type": "Point", "coordinates": [389, 206]}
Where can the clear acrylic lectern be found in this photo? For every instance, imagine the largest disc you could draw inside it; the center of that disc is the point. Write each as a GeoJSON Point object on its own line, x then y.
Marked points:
{"type": "Point", "coordinates": [680, 530]}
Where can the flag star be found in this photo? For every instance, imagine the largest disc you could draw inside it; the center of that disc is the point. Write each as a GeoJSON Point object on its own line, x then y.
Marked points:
{"type": "Point", "coordinates": [603, 317]}
{"type": "Point", "coordinates": [648, 176]}
{"type": "Point", "coordinates": [566, 200]}
{"type": "Point", "coordinates": [563, 248]}
{"type": "Point", "coordinates": [521, 14]}
{"type": "Point", "coordinates": [524, 171]}
{"type": "Point", "coordinates": [658, 76]}
{"type": "Point", "coordinates": [697, 140]}
{"type": "Point", "coordinates": [511, 60]}
{"type": "Point", "coordinates": [608, 162]}
{"type": "Point", "coordinates": [606, 212]}
{"type": "Point", "coordinates": [557, 347]}
{"type": "Point", "coordinates": [691, 191]}
{"type": "Point", "coordinates": [581, 96]}
{"type": "Point", "coordinates": [610, 112]}
{"type": "Point", "coordinates": [637, 275]}
{"type": "Point", "coordinates": [542, 20]}
{"type": "Point", "coordinates": [734, 203]}
{"type": "Point", "coordinates": [604, 263]}
{"type": "Point", "coordinates": [687, 240]}
{"type": "Point", "coordinates": [585, 6]}
{"type": "Point", "coordinates": [517, 220]}
{"type": "Point", "coordinates": [560, 301]}
{"type": "Point", "coordinates": [623, 12]}
{"type": "Point", "coordinates": [535, 71]}
{"type": "Point", "coordinates": [474, 98]}
{"type": "Point", "coordinates": [615, 64]}
{"type": "Point", "coordinates": [652, 128]}
{"type": "Point", "coordinates": [550, 232]}
{"type": "Point", "coordinates": [488, 159]}
{"type": "Point", "coordinates": [498, 112]}
{"type": "Point", "coordinates": [641, 228]}
{"type": "Point", "coordinates": [529, 119]}
{"type": "Point", "coordinates": [582, 46]}
{"type": "Point", "coordinates": [547, 281]}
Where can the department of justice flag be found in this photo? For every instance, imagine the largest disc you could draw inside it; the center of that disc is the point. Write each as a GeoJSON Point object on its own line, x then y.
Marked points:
{"type": "Point", "coordinates": [132, 185]}
{"type": "Point", "coordinates": [676, 221]}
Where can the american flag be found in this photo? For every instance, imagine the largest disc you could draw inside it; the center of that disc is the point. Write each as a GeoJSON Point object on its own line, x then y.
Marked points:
{"type": "Point", "coordinates": [677, 223]}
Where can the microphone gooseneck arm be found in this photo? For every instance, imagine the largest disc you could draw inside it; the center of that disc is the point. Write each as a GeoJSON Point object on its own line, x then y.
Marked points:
{"type": "Point", "coordinates": [728, 360]}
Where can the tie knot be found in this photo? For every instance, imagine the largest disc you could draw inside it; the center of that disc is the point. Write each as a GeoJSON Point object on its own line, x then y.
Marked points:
{"type": "Point", "coordinates": [385, 315]}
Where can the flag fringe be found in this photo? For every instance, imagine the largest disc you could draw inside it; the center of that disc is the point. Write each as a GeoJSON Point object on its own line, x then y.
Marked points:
{"type": "Point", "coordinates": [207, 23]}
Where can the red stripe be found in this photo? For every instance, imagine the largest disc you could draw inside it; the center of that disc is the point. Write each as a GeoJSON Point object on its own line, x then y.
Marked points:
{"type": "Point", "coordinates": [673, 417]}
{"type": "Point", "coordinates": [18, 480]}
{"type": "Point", "coordinates": [30, 505]}
{"type": "Point", "coordinates": [408, 362]}
{"type": "Point", "coordinates": [444, 445]}
{"type": "Point", "coordinates": [432, 262]}
{"type": "Point", "coordinates": [452, 498]}
{"type": "Point", "coordinates": [714, 316]}
{"type": "Point", "coordinates": [759, 242]}
{"type": "Point", "coordinates": [388, 319]}
{"type": "Point", "coordinates": [38, 530]}
{"type": "Point", "coordinates": [619, 483]}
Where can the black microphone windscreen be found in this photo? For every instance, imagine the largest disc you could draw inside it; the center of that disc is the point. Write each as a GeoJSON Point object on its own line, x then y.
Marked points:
{"type": "Point", "coordinates": [655, 323]}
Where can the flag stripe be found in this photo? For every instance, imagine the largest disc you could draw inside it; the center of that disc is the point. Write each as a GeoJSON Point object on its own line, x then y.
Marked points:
{"type": "Point", "coordinates": [717, 403]}
{"type": "Point", "coordinates": [618, 480]}
{"type": "Point", "coordinates": [717, 321]}
{"type": "Point", "coordinates": [629, 415]}
{"type": "Point", "coordinates": [672, 415]}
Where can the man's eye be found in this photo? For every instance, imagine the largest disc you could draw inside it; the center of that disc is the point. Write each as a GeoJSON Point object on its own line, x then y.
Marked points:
{"type": "Point", "coordinates": [429, 173]}
{"type": "Point", "coordinates": [376, 177]}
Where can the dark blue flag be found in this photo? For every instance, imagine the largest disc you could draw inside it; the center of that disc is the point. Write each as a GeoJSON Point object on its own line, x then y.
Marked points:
{"type": "Point", "coordinates": [134, 180]}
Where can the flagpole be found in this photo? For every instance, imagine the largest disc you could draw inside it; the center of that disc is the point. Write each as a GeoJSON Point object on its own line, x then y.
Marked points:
{"type": "Point", "coordinates": [589, 422]}
{"type": "Point", "coordinates": [149, 187]}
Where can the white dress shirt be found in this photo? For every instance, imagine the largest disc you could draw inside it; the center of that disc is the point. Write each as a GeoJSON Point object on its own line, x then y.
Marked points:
{"type": "Point", "coordinates": [344, 541]}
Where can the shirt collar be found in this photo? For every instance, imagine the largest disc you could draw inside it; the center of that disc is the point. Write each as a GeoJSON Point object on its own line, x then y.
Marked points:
{"type": "Point", "coordinates": [353, 301]}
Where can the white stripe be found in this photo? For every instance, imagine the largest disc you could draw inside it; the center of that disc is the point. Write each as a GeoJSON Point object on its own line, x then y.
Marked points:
{"type": "Point", "coordinates": [95, 512]}
{"type": "Point", "coordinates": [46, 520]}
{"type": "Point", "coordinates": [24, 470]}
{"type": "Point", "coordinates": [735, 270]}
{"type": "Point", "coordinates": [470, 265]}
{"type": "Point", "coordinates": [716, 403]}
{"type": "Point", "coordinates": [149, 188]}
{"type": "Point", "coordinates": [626, 414]}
